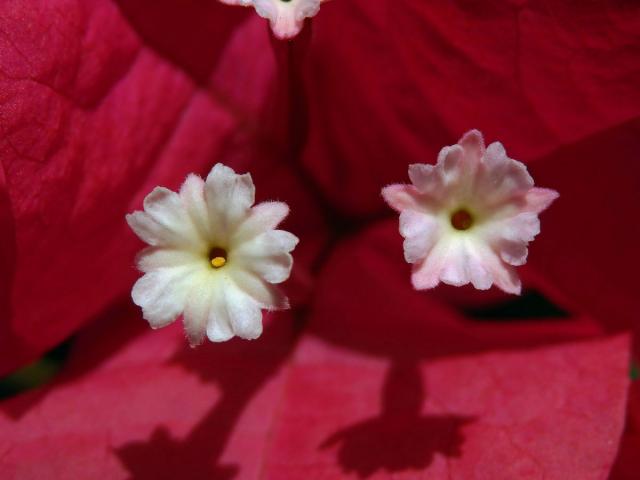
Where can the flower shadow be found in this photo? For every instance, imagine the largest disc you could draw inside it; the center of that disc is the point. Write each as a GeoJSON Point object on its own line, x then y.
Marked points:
{"type": "Point", "coordinates": [247, 367]}
{"type": "Point", "coordinates": [399, 439]}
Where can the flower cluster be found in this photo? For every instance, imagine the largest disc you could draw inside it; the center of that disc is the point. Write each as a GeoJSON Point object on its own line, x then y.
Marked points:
{"type": "Point", "coordinates": [362, 370]}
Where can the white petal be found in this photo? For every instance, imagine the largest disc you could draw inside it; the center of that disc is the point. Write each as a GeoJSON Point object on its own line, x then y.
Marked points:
{"type": "Point", "coordinates": [244, 313]}
{"type": "Point", "coordinates": [263, 217]}
{"type": "Point", "coordinates": [192, 196]}
{"type": "Point", "coordinates": [154, 258]}
{"type": "Point", "coordinates": [162, 294]}
{"type": "Point", "coordinates": [273, 242]}
{"type": "Point", "coordinates": [165, 221]}
{"type": "Point", "coordinates": [273, 268]}
{"type": "Point", "coordinates": [228, 196]}
{"type": "Point", "coordinates": [267, 295]}
{"type": "Point", "coordinates": [218, 329]}
{"type": "Point", "coordinates": [198, 308]}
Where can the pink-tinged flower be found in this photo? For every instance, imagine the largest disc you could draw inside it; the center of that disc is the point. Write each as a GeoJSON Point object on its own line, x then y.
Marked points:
{"type": "Point", "coordinates": [285, 16]}
{"type": "Point", "coordinates": [470, 217]}
{"type": "Point", "coordinates": [213, 257]}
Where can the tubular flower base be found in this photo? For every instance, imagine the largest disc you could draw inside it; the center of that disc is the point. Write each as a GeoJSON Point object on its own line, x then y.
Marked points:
{"type": "Point", "coordinates": [213, 257]}
{"type": "Point", "coordinates": [286, 17]}
{"type": "Point", "coordinates": [470, 217]}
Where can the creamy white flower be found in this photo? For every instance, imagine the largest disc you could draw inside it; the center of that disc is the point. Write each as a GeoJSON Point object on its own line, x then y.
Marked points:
{"type": "Point", "coordinates": [470, 217]}
{"type": "Point", "coordinates": [285, 16]}
{"type": "Point", "coordinates": [213, 257]}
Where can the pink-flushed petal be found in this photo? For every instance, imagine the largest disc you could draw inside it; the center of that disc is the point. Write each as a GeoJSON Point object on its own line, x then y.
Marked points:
{"type": "Point", "coordinates": [286, 17]}
{"type": "Point", "coordinates": [426, 178]}
{"type": "Point", "coordinates": [501, 179]}
{"type": "Point", "coordinates": [458, 262]}
{"type": "Point", "coordinates": [473, 144]}
{"type": "Point", "coordinates": [139, 404]}
{"type": "Point", "coordinates": [402, 197]}
{"type": "Point", "coordinates": [453, 163]}
{"type": "Point", "coordinates": [426, 274]}
{"type": "Point", "coordinates": [504, 275]}
{"type": "Point", "coordinates": [539, 199]}
{"type": "Point", "coordinates": [421, 233]}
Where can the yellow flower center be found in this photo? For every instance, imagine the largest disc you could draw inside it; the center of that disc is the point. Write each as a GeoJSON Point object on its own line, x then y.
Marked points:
{"type": "Point", "coordinates": [218, 257]}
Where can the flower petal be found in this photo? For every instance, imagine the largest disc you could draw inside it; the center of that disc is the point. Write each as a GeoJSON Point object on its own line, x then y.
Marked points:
{"type": "Point", "coordinates": [473, 144]}
{"type": "Point", "coordinates": [154, 258]}
{"type": "Point", "coordinates": [192, 196]}
{"type": "Point", "coordinates": [219, 327]}
{"type": "Point", "coordinates": [267, 295]}
{"type": "Point", "coordinates": [165, 221]}
{"type": "Point", "coordinates": [421, 232]}
{"type": "Point", "coordinates": [244, 313]}
{"type": "Point", "coordinates": [539, 199]}
{"type": "Point", "coordinates": [228, 195]}
{"type": "Point", "coordinates": [273, 242]}
{"type": "Point", "coordinates": [162, 294]}
{"type": "Point", "coordinates": [402, 197]}
{"type": "Point", "coordinates": [262, 217]}
{"type": "Point", "coordinates": [198, 307]}
{"type": "Point", "coordinates": [501, 178]}
{"type": "Point", "coordinates": [286, 18]}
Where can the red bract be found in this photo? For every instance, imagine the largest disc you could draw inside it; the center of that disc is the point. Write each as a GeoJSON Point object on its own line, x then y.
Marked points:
{"type": "Point", "coordinates": [101, 101]}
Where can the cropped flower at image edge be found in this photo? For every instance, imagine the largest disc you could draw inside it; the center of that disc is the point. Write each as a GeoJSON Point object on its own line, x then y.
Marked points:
{"type": "Point", "coordinates": [212, 257]}
{"type": "Point", "coordinates": [286, 17]}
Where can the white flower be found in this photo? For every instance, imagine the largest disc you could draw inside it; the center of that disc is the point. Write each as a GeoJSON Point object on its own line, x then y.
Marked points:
{"type": "Point", "coordinates": [213, 256]}
{"type": "Point", "coordinates": [285, 16]}
{"type": "Point", "coordinates": [470, 217]}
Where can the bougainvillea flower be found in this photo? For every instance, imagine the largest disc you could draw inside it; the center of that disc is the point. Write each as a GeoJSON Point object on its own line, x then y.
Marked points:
{"type": "Point", "coordinates": [286, 17]}
{"type": "Point", "coordinates": [364, 377]}
{"type": "Point", "coordinates": [469, 218]}
{"type": "Point", "coordinates": [213, 256]}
